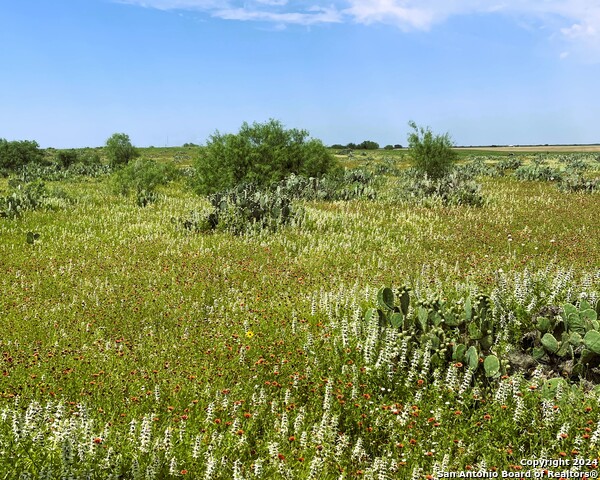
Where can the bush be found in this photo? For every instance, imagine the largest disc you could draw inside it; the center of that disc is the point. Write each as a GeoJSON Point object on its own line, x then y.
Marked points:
{"type": "Point", "coordinates": [456, 188]}
{"type": "Point", "coordinates": [244, 208]}
{"type": "Point", "coordinates": [509, 163]}
{"type": "Point", "coordinates": [248, 207]}
{"type": "Point", "coordinates": [143, 176]}
{"type": "Point", "coordinates": [577, 183]}
{"type": "Point", "coordinates": [574, 164]}
{"type": "Point", "coordinates": [478, 168]}
{"type": "Point", "coordinates": [432, 155]}
{"type": "Point", "coordinates": [29, 196]}
{"type": "Point", "coordinates": [15, 154]}
{"type": "Point", "coordinates": [66, 158]}
{"type": "Point", "coordinates": [538, 170]}
{"type": "Point", "coordinates": [259, 153]}
{"type": "Point", "coordinates": [53, 172]}
{"type": "Point", "coordinates": [119, 150]}
{"type": "Point", "coordinates": [339, 185]}
{"type": "Point", "coordinates": [90, 157]}
{"type": "Point", "coordinates": [388, 166]}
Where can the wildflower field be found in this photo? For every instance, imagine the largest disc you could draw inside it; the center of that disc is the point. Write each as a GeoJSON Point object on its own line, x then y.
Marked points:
{"type": "Point", "coordinates": [133, 347]}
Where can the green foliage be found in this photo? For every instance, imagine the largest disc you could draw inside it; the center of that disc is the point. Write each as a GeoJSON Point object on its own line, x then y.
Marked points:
{"type": "Point", "coordinates": [119, 150]}
{"type": "Point", "coordinates": [509, 163]}
{"type": "Point", "coordinates": [261, 153]}
{"type": "Point", "coordinates": [15, 154]}
{"type": "Point", "coordinates": [592, 341]}
{"type": "Point", "coordinates": [538, 170]}
{"type": "Point", "coordinates": [388, 166]}
{"type": "Point", "coordinates": [143, 176]}
{"type": "Point", "coordinates": [574, 182]}
{"type": "Point", "coordinates": [355, 183]}
{"type": "Point", "coordinates": [478, 168]}
{"type": "Point", "coordinates": [23, 197]}
{"type": "Point", "coordinates": [90, 157]}
{"type": "Point", "coordinates": [66, 158]}
{"type": "Point", "coordinates": [432, 155]}
{"type": "Point", "coordinates": [448, 333]}
{"type": "Point", "coordinates": [54, 172]}
{"type": "Point", "coordinates": [491, 365]}
{"type": "Point", "coordinates": [338, 185]}
{"type": "Point", "coordinates": [574, 164]}
{"type": "Point", "coordinates": [367, 145]}
{"type": "Point", "coordinates": [456, 188]}
{"type": "Point", "coordinates": [245, 208]}
{"type": "Point", "coordinates": [31, 237]}
{"type": "Point", "coordinates": [251, 207]}
{"type": "Point", "coordinates": [568, 343]}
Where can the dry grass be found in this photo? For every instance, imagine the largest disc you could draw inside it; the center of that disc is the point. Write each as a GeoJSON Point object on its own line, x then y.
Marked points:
{"type": "Point", "coordinates": [539, 148]}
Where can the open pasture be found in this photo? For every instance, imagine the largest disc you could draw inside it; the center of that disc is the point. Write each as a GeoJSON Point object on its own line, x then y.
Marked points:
{"type": "Point", "coordinates": [133, 348]}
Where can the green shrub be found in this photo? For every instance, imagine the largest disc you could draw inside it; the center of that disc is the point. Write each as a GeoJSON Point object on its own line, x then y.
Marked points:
{"type": "Point", "coordinates": [478, 168]}
{"type": "Point", "coordinates": [509, 163]}
{"type": "Point", "coordinates": [143, 176]}
{"type": "Point", "coordinates": [575, 182]}
{"type": "Point", "coordinates": [261, 153]}
{"type": "Point", "coordinates": [539, 171]}
{"type": "Point", "coordinates": [432, 155]}
{"type": "Point", "coordinates": [355, 183]}
{"type": "Point", "coordinates": [66, 158]}
{"type": "Point", "coordinates": [574, 164]}
{"type": "Point", "coordinates": [245, 208]}
{"type": "Point", "coordinates": [338, 185]}
{"type": "Point", "coordinates": [15, 154]}
{"type": "Point", "coordinates": [456, 188]}
{"type": "Point", "coordinates": [388, 166]}
{"type": "Point", "coordinates": [53, 172]}
{"type": "Point", "coordinates": [22, 197]}
{"type": "Point", "coordinates": [563, 340]}
{"type": "Point", "coordinates": [119, 150]}
{"type": "Point", "coordinates": [90, 157]}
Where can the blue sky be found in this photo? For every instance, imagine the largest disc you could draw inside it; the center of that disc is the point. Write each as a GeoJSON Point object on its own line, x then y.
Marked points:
{"type": "Point", "coordinates": [72, 72]}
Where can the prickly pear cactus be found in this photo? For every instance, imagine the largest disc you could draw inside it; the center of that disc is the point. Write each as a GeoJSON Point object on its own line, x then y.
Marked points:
{"type": "Point", "coordinates": [453, 333]}
{"type": "Point", "coordinates": [565, 341]}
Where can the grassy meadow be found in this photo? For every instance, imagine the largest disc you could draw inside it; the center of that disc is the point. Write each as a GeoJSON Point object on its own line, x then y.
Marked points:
{"type": "Point", "coordinates": [134, 348]}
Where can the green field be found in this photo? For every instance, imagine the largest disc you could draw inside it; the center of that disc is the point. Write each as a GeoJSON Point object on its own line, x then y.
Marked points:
{"type": "Point", "coordinates": [134, 348]}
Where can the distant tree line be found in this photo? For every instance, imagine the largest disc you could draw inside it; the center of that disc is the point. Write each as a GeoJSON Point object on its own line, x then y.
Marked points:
{"type": "Point", "coordinates": [17, 154]}
{"type": "Point", "coordinates": [366, 145]}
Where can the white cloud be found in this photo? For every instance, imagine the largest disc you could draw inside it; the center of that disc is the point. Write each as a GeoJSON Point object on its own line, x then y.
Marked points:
{"type": "Point", "coordinates": [273, 2]}
{"type": "Point", "coordinates": [312, 17]}
{"type": "Point", "coordinates": [280, 12]}
{"type": "Point", "coordinates": [176, 4]}
{"type": "Point", "coordinates": [576, 22]}
{"type": "Point", "coordinates": [386, 11]}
